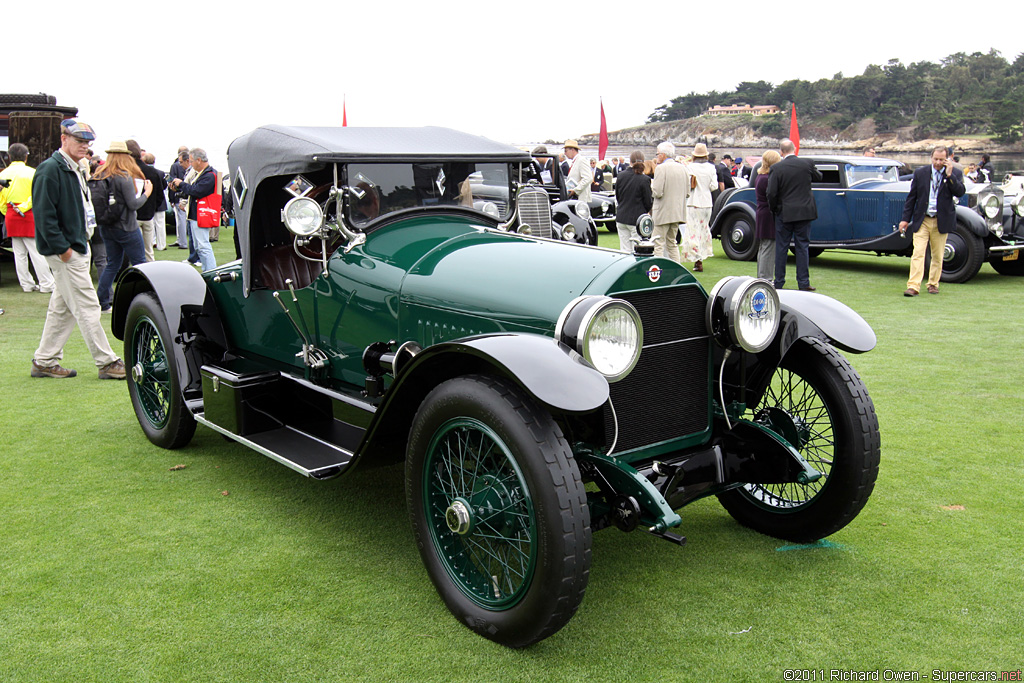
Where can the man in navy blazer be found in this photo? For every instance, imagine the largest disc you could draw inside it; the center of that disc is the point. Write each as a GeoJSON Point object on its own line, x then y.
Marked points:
{"type": "Point", "coordinates": [930, 213]}
{"type": "Point", "coordinates": [791, 200]}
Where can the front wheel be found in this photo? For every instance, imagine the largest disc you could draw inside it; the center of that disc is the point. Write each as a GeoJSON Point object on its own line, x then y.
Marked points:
{"type": "Point", "coordinates": [963, 256]}
{"type": "Point", "coordinates": [828, 405]}
{"type": "Point", "coordinates": [153, 383]}
{"type": "Point", "coordinates": [738, 241]}
{"type": "Point", "coordinates": [498, 510]}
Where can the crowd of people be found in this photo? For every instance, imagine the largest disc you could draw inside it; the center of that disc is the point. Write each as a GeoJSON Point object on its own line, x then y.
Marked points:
{"type": "Point", "coordinates": [77, 210]}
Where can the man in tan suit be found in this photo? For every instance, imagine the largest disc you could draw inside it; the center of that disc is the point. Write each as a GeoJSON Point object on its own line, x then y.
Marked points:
{"type": "Point", "coordinates": [670, 188]}
{"type": "Point", "coordinates": [579, 172]}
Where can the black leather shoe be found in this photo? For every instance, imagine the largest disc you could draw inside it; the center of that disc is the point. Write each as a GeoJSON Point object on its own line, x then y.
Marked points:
{"type": "Point", "coordinates": [808, 288]}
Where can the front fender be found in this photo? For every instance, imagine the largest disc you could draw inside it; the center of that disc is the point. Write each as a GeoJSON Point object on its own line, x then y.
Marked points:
{"type": "Point", "coordinates": [972, 219]}
{"type": "Point", "coordinates": [554, 375]}
{"type": "Point", "coordinates": [806, 314]}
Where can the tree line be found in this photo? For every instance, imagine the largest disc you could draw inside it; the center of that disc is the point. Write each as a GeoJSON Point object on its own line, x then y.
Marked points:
{"type": "Point", "coordinates": [976, 94]}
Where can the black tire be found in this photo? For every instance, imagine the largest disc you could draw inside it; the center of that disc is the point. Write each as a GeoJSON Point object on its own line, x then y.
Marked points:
{"type": "Point", "coordinates": [738, 240]}
{"type": "Point", "coordinates": [516, 569]}
{"type": "Point", "coordinates": [1015, 267]}
{"type": "Point", "coordinates": [965, 254]}
{"type": "Point", "coordinates": [152, 375]}
{"type": "Point", "coordinates": [832, 409]}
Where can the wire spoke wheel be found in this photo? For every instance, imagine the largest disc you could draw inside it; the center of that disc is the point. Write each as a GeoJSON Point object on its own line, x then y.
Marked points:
{"type": "Point", "coordinates": [153, 382]}
{"type": "Point", "coordinates": [153, 385]}
{"type": "Point", "coordinates": [819, 404]}
{"type": "Point", "coordinates": [498, 509]}
{"type": "Point", "coordinates": [803, 404]}
{"type": "Point", "coordinates": [492, 558]}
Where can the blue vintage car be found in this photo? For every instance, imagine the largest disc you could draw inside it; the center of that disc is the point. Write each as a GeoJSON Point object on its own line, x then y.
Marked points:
{"type": "Point", "coordinates": [860, 202]}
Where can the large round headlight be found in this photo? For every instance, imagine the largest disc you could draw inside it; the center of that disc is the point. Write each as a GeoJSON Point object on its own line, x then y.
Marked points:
{"type": "Point", "coordinates": [583, 210]}
{"type": "Point", "coordinates": [568, 232]}
{"type": "Point", "coordinates": [1018, 204]}
{"type": "Point", "coordinates": [302, 216]}
{"type": "Point", "coordinates": [744, 312]}
{"type": "Point", "coordinates": [606, 332]}
{"type": "Point", "coordinates": [991, 205]}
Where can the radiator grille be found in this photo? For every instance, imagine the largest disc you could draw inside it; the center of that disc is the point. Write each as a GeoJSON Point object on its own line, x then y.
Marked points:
{"type": "Point", "coordinates": [535, 211]}
{"type": "Point", "coordinates": [667, 394]}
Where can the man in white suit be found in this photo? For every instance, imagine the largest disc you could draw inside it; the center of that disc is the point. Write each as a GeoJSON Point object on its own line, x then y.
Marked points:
{"type": "Point", "coordinates": [670, 189]}
{"type": "Point", "coordinates": [579, 172]}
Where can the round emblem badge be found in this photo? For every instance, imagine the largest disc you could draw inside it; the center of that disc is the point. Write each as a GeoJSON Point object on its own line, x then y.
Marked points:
{"type": "Point", "coordinates": [654, 273]}
{"type": "Point", "coordinates": [759, 302]}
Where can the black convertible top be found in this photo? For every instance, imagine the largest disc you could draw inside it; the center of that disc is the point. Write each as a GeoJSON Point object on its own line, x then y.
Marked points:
{"type": "Point", "coordinates": [275, 150]}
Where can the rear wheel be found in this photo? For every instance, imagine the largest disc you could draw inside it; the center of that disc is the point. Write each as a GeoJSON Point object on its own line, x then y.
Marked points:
{"type": "Point", "coordinates": [738, 240]}
{"type": "Point", "coordinates": [828, 405]}
{"type": "Point", "coordinates": [498, 510]}
{"type": "Point", "coordinates": [153, 377]}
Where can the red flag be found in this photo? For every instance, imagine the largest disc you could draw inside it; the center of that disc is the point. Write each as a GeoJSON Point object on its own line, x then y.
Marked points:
{"type": "Point", "coordinates": [344, 112]}
{"type": "Point", "coordinates": [794, 131]}
{"type": "Point", "coordinates": [602, 145]}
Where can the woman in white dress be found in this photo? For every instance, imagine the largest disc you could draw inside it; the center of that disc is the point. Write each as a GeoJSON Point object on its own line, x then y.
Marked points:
{"type": "Point", "coordinates": [695, 242]}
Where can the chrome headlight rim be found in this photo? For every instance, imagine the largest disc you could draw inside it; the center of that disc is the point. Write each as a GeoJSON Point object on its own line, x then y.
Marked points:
{"type": "Point", "coordinates": [582, 210]}
{"type": "Point", "coordinates": [568, 232]}
{"type": "Point", "coordinates": [292, 215]}
{"type": "Point", "coordinates": [576, 323]}
{"type": "Point", "coordinates": [734, 297]}
{"type": "Point", "coordinates": [1018, 204]}
{"type": "Point", "coordinates": [990, 204]}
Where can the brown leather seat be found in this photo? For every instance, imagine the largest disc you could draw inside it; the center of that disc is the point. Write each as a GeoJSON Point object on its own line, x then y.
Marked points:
{"type": "Point", "coordinates": [281, 263]}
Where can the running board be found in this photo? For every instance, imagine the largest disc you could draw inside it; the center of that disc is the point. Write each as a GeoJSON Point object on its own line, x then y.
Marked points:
{"type": "Point", "coordinates": [302, 452]}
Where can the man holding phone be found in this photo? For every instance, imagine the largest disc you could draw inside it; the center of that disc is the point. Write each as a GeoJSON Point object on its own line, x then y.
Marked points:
{"type": "Point", "coordinates": [929, 213]}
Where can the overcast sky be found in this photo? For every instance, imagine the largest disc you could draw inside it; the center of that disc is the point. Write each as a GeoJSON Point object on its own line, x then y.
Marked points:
{"type": "Point", "coordinates": [204, 73]}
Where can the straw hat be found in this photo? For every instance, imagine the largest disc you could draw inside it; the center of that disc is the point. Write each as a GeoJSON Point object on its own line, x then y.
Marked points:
{"type": "Point", "coordinates": [571, 143]}
{"type": "Point", "coordinates": [700, 150]}
{"type": "Point", "coordinates": [118, 147]}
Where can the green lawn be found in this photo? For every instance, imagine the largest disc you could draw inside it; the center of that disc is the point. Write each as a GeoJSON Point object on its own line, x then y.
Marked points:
{"type": "Point", "coordinates": [116, 567]}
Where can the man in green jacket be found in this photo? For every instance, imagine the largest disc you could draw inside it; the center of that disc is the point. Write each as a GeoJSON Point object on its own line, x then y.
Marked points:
{"type": "Point", "coordinates": [64, 223]}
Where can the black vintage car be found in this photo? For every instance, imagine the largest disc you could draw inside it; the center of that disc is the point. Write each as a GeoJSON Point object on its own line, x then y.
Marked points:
{"type": "Point", "coordinates": [600, 210]}
{"type": "Point", "coordinates": [390, 306]}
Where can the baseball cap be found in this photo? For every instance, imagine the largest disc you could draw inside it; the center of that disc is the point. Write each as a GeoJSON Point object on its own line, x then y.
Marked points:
{"type": "Point", "coordinates": [82, 131]}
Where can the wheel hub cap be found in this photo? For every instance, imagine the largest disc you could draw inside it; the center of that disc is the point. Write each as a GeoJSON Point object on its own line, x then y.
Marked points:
{"type": "Point", "coordinates": [457, 518]}
{"type": "Point", "coordinates": [137, 373]}
{"type": "Point", "coordinates": [948, 253]}
{"type": "Point", "coordinates": [737, 236]}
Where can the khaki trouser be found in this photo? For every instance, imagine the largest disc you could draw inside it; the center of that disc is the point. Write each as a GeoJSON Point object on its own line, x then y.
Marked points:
{"type": "Point", "coordinates": [626, 234]}
{"type": "Point", "coordinates": [73, 299]}
{"type": "Point", "coordinates": [927, 235]}
{"type": "Point", "coordinates": [148, 236]}
{"type": "Point", "coordinates": [666, 241]}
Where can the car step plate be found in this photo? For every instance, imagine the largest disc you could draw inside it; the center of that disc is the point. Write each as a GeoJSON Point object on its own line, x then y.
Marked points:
{"type": "Point", "coordinates": [302, 452]}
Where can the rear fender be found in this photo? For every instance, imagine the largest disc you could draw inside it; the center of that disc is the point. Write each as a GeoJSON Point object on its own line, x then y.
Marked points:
{"type": "Point", "coordinates": [730, 210]}
{"type": "Point", "coordinates": [188, 310]}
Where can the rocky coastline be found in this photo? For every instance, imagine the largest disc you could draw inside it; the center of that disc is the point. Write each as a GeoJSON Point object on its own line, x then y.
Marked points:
{"type": "Point", "coordinates": [736, 132]}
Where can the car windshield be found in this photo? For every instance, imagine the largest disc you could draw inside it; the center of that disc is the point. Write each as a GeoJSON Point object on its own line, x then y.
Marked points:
{"type": "Point", "coordinates": [860, 173]}
{"type": "Point", "coordinates": [387, 188]}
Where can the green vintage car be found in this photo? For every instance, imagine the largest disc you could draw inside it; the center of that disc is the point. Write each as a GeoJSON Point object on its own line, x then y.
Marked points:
{"type": "Point", "coordinates": [403, 296]}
